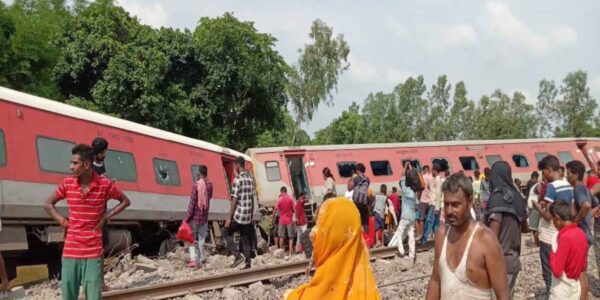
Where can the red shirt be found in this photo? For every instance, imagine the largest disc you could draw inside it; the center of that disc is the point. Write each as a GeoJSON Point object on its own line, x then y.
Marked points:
{"type": "Point", "coordinates": [571, 255]}
{"type": "Point", "coordinates": [285, 205]}
{"type": "Point", "coordinates": [396, 201]}
{"type": "Point", "coordinates": [85, 212]}
{"type": "Point", "coordinates": [300, 211]}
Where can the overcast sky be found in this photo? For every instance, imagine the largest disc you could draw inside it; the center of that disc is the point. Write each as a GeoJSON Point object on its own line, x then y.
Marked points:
{"type": "Point", "coordinates": [509, 45]}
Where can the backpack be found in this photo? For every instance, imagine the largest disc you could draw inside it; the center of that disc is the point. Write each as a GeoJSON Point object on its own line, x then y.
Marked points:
{"type": "Point", "coordinates": [361, 191]}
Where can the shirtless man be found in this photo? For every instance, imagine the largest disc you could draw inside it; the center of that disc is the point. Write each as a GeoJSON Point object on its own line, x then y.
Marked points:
{"type": "Point", "coordinates": [465, 249]}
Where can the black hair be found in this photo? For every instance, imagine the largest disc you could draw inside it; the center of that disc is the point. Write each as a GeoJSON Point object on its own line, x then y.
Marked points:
{"type": "Point", "coordinates": [562, 210]}
{"type": "Point", "coordinates": [327, 173]}
{"type": "Point", "coordinates": [477, 174]}
{"type": "Point", "coordinates": [240, 161]}
{"type": "Point", "coordinates": [551, 162]}
{"type": "Point", "coordinates": [487, 172]}
{"type": "Point", "coordinates": [426, 167]}
{"type": "Point", "coordinates": [99, 144]}
{"type": "Point", "coordinates": [394, 189]}
{"type": "Point", "coordinates": [360, 167]}
{"type": "Point", "coordinates": [437, 167]}
{"type": "Point", "coordinates": [84, 151]}
{"type": "Point", "coordinates": [202, 169]}
{"type": "Point", "coordinates": [383, 188]}
{"type": "Point", "coordinates": [535, 174]}
{"type": "Point", "coordinates": [576, 167]}
{"type": "Point", "coordinates": [283, 189]}
{"type": "Point", "coordinates": [458, 181]}
{"type": "Point", "coordinates": [328, 196]}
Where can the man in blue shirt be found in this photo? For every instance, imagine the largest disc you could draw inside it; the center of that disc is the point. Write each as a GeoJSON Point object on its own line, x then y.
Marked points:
{"type": "Point", "coordinates": [408, 217]}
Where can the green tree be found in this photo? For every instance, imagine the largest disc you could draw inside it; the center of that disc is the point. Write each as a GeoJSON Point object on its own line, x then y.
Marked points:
{"type": "Point", "coordinates": [438, 119]}
{"type": "Point", "coordinates": [28, 29]}
{"type": "Point", "coordinates": [461, 114]}
{"type": "Point", "coordinates": [346, 129]}
{"type": "Point", "coordinates": [312, 80]}
{"type": "Point", "coordinates": [287, 134]}
{"type": "Point", "coordinates": [245, 79]}
{"type": "Point", "coordinates": [576, 106]}
{"type": "Point", "coordinates": [546, 108]}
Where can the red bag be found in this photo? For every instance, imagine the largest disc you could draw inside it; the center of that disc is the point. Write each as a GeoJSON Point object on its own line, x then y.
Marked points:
{"type": "Point", "coordinates": [185, 233]}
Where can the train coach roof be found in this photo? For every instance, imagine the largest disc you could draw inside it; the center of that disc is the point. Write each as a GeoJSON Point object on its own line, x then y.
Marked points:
{"type": "Point", "coordinates": [83, 114]}
{"type": "Point", "coordinates": [412, 144]}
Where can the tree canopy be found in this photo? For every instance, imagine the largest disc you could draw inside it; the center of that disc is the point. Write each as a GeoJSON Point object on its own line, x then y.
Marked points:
{"type": "Point", "coordinates": [224, 82]}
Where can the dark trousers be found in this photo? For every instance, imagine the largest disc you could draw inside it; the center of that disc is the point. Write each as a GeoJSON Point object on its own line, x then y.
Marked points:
{"type": "Point", "coordinates": [245, 245]}
{"type": "Point", "coordinates": [363, 209]}
{"type": "Point", "coordinates": [545, 259]}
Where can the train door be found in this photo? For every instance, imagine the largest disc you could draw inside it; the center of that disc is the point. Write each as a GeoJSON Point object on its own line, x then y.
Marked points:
{"type": "Point", "coordinates": [228, 170]}
{"type": "Point", "coordinates": [298, 176]}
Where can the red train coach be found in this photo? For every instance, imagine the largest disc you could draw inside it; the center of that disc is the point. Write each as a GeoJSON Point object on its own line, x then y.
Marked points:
{"type": "Point", "coordinates": [300, 168]}
{"type": "Point", "coordinates": [153, 167]}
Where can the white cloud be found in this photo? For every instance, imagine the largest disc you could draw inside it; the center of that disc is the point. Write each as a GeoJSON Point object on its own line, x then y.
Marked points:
{"type": "Point", "coordinates": [362, 70]}
{"type": "Point", "coordinates": [500, 23]}
{"type": "Point", "coordinates": [396, 76]}
{"type": "Point", "coordinates": [397, 28]}
{"type": "Point", "coordinates": [149, 13]}
{"type": "Point", "coordinates": [442, 37]}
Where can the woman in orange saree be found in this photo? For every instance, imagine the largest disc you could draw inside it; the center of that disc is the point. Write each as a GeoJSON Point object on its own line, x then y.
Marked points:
{"type": "Point", "coordinates": [341, 258]}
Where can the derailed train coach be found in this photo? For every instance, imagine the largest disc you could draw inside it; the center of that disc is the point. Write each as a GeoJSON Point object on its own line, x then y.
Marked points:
{"type": "Point", "coordinates": [155, 168]}
{"type": "Point", "coordinates": [300, 168]}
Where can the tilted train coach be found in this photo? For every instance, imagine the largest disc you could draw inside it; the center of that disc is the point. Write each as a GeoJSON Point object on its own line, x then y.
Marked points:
{"type": "Point", "coordinates": [300, 168]}
{"type": "Point", "coordinates": [153, 167]}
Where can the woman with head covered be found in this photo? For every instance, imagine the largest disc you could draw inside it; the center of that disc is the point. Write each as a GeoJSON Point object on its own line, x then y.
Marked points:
{"type": "Point", "coordinates": [340, 256]}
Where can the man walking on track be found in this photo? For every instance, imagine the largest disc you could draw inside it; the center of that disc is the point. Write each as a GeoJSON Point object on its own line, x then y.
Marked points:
{"type": "Point", "coordinates": [240, 215]}
{"type": "Point", "coordinates": [86, 194]}
{"type": "Point", "coordinates": [468, 258]}
{"type": "Point", "coordinates": [198, 208]}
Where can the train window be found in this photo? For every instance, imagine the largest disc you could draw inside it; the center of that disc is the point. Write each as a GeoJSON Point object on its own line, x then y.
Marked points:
{"type": "Point", "coordinates": [492, 159]}
{"type": "Point", "coordinates": [413, 162]}
{"type": "Point", "coordinates": [120, 165]}
{"type": "Point", "coordinates": [469, 163]}
{"type": "Point", "coordinates": [442, 162]}
{"type": "Point", "coordinates": [565, 157]}
{"type": "Point", "coordinates": [273, 173]}
{"type": "Point", "coordinates": [381, 168]}
{"type": "Point", "coordinates": [540, 155]}
{"type": "Point", "coordinates": [520, 161]}
{"type": "Point", "coordinates": [2, 149]}
{"type": "Point", "coordinates": [166, 172]}
{"type": "Point", "coordinates": [345, 168]}
{"type": "Point", "coordinates": [54, 155]}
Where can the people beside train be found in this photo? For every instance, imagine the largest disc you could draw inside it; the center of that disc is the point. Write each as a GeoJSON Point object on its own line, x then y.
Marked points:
{"type": "Point", "coordinates": [507, 217]}
{"type": "Point", "coordinates": [349, 190]}
{"type": "Point", "coordinates": [300, 219]}
{"type": "Point", "coordinates": [336, 238]}
{"type": "Point", "coordinates": [432, 221]}
{"type": "Point", "coordinates": [240, 215]}
{"type": "Point", "coordinates": [535, 195]}
{"type": "Point", "coordinates": [583, 207]}
{"type": "Point", "coordinates": [379, 213]}
{"type": "Point", "coordinates": [465, 245]}
{"type": "Point", "coordinates": [557, 189]}
{"type": "Point", "coordinates": [424, 201]}
{"type": "Point", "coordinates": [533, 180]}
{"type": "Point", "coordinates": [329, 184]}
{"type": "Point", "coordinates": [99, 148]}
{"type": "Point", "coordinates": [568, 257]}
{"type": "Point", "coordinates": [476, 189]}
{"type": "Point", "coordinates": [86, 194]}
{"type": "Point", "coordinates": [360, 193]}
{"type": "Point", "coordinates": [285, 228]}
{"type": "Point", "coordinates": [197, 213]}
{"type": "Point", "coordinates": [395, 198]}
{"type": "Point", "coordinates": [406, 226]}
{"type": "Point", "coordinates": [484, 193]}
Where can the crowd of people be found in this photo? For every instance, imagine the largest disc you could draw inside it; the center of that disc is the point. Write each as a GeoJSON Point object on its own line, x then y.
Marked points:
{"type": "Point", "coordinates": [476, 224]}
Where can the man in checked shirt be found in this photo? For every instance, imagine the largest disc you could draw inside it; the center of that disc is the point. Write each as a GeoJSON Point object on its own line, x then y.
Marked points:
{"type": "Point", "coordinates": [240, 215]}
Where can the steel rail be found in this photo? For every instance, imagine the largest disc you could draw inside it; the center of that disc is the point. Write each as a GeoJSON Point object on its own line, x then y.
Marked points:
{"type": "Point", "coordinates": [229, 279]}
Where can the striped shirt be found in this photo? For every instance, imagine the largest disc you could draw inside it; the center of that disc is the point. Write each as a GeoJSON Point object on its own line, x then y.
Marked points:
{"type": "Point", "coordinates": [243, 191]}
{"type": "Point", "coordinates": [556, 190]}
{"type": "Point", "coordinates": [85, 212]}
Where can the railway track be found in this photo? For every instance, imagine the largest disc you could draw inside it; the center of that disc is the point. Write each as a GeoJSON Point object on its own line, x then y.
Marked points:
{"type": "Point", "coordinates": [230, 279]}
